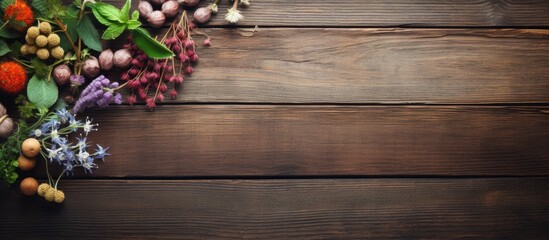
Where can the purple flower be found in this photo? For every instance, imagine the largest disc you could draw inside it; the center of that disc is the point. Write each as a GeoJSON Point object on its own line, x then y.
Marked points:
{"type": "Point", "coordinates": [99, 93]}
{"type": "Point", "coordinates": [77, 80]}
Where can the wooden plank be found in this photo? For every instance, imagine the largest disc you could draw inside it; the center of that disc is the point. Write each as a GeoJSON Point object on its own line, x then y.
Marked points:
{"type": "Point", "coordinates": [377, 13]}
{"type": "Point", "coordinates": [250, 140]}
{"type": "Point", "coordinates": [507, 208]}
{"type": "Point", "coordinates": [448, 66]}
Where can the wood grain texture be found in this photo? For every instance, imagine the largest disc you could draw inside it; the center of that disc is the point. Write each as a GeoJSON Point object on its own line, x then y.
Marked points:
{"type": "Point", "coordinates": [233, 140]}
{"type": "Point", "coordinates": [449, 66]}
{"type": "Point", "coordinates": [417, 13]}
{"type": "Point", "coordinates": [285, 209]}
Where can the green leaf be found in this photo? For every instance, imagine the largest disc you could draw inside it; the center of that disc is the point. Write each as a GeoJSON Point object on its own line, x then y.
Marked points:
{"type": "Point", "coordinates": [59, 104]}
{"type": "Point", "coordinates": [88, 33]}
{"type": "Point", "coordinates": [100, 17]}
{"type": "Point", "coordinates": [135, 15]}
{"type": "Point", "coordinates": [55, 8]}
{"type": "Point", "coordinates": [4, 48]}
{"type": "Point", "coordinates": [113, 31]}
{"type": "Point", "coordinates": [15, 49]}
{"type": "Point", "coordinates": [77, 3]}
{"type": "Point", "coordinates": [133, 24]}
{"type": "Point", "coordinates": [6, 3]}
{"type": "Point", "coordinates": [103, 11]}
{"type": "Point", "coordinates": [42, 92]}
{"type": "Point", "coordinates": [41, 7]}
{"type": "Point", "coordinates": [7, 33]}
{"type": "Point", "coordinates": [71, 30]}
{"type": "Point", "coordinates": [41, 70]}
{"type": "Point", "coordinates": [125, 11]}
{"type": "Point", "coordinates": [149, 45]}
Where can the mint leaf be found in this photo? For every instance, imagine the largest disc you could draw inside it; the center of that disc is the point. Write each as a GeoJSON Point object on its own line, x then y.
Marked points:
{"type": "Point", "coordinates": [133, 24]}
{"type": "Point", "coordinates": [100, 17]}
{"type": "Point", "coordinates": [113, 31]}
{"type": "Point", "coordinates": [103, 11]}
{"type": "Point", "coordinates": [4, 48]}
{"type": "Point", "coordinates": [135, 15]}
{"type": "Point", "coordinates": [42, 92]}
{"type": "Point", "coordinates": [149, 45]}
{"type": "Point", "coordinates": [125, 11]}
{"type": "Point", "coordinates": [88, 33]}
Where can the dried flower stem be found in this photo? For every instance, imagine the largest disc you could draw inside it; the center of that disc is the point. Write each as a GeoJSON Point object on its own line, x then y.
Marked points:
{"type": "Point", "coordinates": [3, 25]}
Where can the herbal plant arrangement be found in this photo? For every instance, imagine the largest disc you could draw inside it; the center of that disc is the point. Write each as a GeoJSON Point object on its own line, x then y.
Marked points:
{"type": "Point", "coordinates": [47, 47]}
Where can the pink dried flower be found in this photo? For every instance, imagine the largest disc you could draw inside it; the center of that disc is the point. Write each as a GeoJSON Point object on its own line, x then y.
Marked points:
{"type": "Point", "coordinates": [150, 103]}
{"type": "Point", "coordinates": [131, 99]}
{"type": "Point", "coordinates": [173, 94]}
{"type": "Point", "coordinates": [189, 70]}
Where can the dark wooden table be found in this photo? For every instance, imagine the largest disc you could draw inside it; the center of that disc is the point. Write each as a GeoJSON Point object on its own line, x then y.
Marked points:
{"type": "Point", "coordinates": [338, 119]}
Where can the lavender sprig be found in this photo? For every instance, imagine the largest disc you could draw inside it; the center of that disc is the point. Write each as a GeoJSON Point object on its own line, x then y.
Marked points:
{"type": "Point", "coordinates": [99, 93]}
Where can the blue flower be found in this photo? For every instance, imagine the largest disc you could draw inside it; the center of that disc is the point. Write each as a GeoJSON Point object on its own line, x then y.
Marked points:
{"type": "Point", "coordinates": [64, 115]}
{"type": "Point", "coordinates": [88, 127]}
{"type": "Point", "coordinates": [88, 165]}
{"type": "Point", "coordinates": [101, 153]}
{"type": "Point", "coordinates": [53, 152]}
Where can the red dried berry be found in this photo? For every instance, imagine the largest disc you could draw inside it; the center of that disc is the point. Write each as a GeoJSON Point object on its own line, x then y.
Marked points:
{"type": "Point", "coordinates": [142, 93]}
{"type": "Point", "coordinates": [150, 103]}
{"type": "Point", "coordinates": [207, 42]}
{"type": "Point", "coordinates": [163, 88]}
{"type": "Point", "coordinates": [125, 77]}
{"type": "Point", "coordinates": [194, 58]}
{"type": "Point", "coordinates": [143, 79]}
{"type": "Point", "coordinates": [189, 43]}
{"type": "Point", "coordinates": [160, 97]}
{"type": "Point", "coordinates": [173, 94]}
{"type": "Point", "coordinates": [176, 48]}
{"type": "Point", "coordinates": [179, 79]}
{"type": "Point", "coordinates": [133, 72]}
{"type": "Point", "coordinates": [131, 99]}
{"type": "Point", "coordinates": [189, 70]}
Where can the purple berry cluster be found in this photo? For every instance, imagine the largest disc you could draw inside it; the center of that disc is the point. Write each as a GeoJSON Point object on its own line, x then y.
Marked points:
{"type": "Point", "coordinates": [100, 92]}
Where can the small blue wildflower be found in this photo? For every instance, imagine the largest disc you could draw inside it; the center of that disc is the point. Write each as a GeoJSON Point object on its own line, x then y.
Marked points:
{"type": "Point", "coordinates": [88, 127]}
{"type": "Point", "coordinates": [88, 165]}
{"type": "Point", "coordinates": [101, 153]}
{"type": "Point", "coordinates": [63, 115]}
{"type": "Point", "coordinates": [53, 152]}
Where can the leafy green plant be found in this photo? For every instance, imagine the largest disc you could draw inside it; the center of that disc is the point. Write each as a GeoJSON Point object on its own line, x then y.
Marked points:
{"type": "Point", "coordinates": [10, 149]}
{"type": "Point", "coordinates": [117, 21]}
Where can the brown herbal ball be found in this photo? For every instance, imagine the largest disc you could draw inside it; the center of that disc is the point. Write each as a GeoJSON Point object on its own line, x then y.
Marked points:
{"type": "Point", "coordinates": [57, 52]}
{"type": "Point", "coordinates": [33, 32]}
{"type": "Point", "coordinates": [43, 188]}
{"type": "Point", "coordinates": [24, 51]}
{"type": "Point", "coordinates": [26, 163]}
{"type": "Point", "coordinates": [45, 28]}
{"type": "Point", "coordinates": [50, 195]}
{"type": "Point", "coordinates": [41, 41]}
{"type": "Point", "coordinates": [29, 186]}
{"type": "Point", "coordinates": [32, 49]}
{"type": "Point", "coordinates": [59, 196]}
{"type": "Point", "coordinates": [43, 54]}
{"type": "Point", "coordinates": [30, 40]}
{"type": "Point", "coordinates": [53, 40]}
{"type": "Point", "coordinates": [30, 147]}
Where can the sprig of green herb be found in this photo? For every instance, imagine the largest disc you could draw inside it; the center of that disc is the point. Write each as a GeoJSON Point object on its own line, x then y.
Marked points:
{"type": "Point", "coordinates": [117, 21]}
